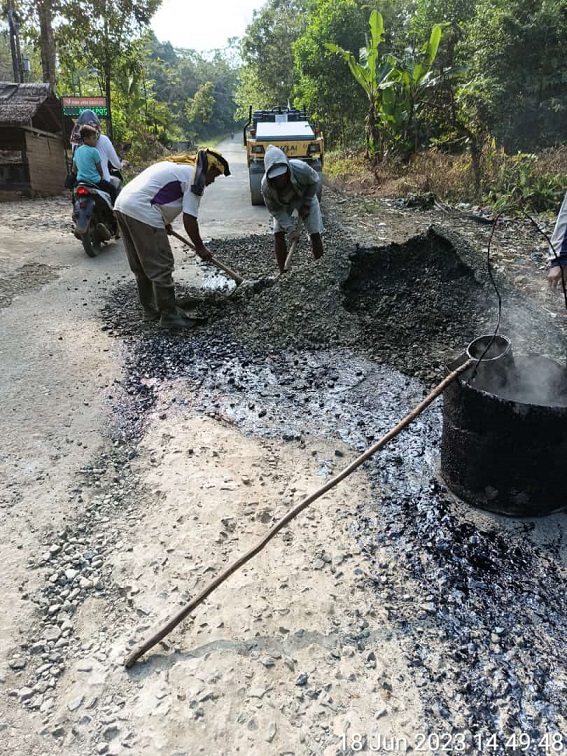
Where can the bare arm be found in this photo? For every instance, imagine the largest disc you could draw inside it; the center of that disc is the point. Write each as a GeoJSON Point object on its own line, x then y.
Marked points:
{"type": "Point", "coordinates": [192, 227]}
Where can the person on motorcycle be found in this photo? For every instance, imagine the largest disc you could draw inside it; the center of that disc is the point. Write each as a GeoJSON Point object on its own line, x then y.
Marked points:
{"type": "Point", "coordinates": [87, 164]}
{"type": "Point", "coordinates": [108, 155]}
{"type": "Point", "coordinates": [145, 209]}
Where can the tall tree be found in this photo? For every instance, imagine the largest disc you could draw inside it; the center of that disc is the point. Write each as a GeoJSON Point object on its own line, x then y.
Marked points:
{"type": "Point", "coordinates": [47, 41]}
{"type": "Point", "coordinates": [323, 83]}
{"type": "Point", "coordinates": [102, 35]}
{"type": "Point", "coordinates": [519, 47]}
{"type": "Point", "coordinates": [267, 54]}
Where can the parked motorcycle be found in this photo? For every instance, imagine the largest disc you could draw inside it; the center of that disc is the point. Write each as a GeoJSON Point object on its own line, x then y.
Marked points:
{"type": "Point", "coordinates": [93, 216]}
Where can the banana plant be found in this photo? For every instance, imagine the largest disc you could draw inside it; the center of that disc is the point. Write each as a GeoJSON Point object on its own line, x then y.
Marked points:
{"type": "Point", "coordinates": [395, 87]}
{"type": "Point", "coordinates": [410, 79]}
{"type": "Point", "coordinates": [372, 74]}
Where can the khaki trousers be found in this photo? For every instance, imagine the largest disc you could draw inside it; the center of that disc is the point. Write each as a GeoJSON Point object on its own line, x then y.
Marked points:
{"type": "Point", "coordinates": [148, 250]}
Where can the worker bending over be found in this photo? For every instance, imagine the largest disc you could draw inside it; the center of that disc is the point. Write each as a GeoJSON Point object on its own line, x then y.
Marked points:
{"type": "Point", "coordinates": [290, 185]}
{"type": "Point", "coordinates": [145, 209]}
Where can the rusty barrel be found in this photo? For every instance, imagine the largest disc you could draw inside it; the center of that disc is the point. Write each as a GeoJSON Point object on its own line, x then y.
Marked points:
{"type": "Point", "coordinates": [504, 439]}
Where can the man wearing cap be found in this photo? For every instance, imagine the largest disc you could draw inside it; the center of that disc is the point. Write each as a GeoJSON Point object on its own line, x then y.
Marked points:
{"type": "Point", "coordinates": [145, 209]}
{"type": "Point", "coordinates": [289, 185]}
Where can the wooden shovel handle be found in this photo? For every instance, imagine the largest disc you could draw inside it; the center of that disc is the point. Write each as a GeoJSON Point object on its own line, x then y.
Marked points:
{"type": "Point", "coordinates": [287, 263]}
{"type": "Point", "coordinates": [232, 273]}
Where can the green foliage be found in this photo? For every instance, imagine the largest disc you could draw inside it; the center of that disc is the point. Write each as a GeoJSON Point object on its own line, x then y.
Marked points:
{"type": "Point", "coordinates": [323, 83]}
{"type": "Point", "coordinates": [371, 73]}
{"type": "Point", "coordinates": [350, 163]}
{"type": "Point", "coordinates": [412, 81]}
{"type": "Point", "coordinates": [461, 74]}
{"type": "Point", "coordinates": [267, 55]}
{"type": "Point", "coordinates": [6, 68]}
{"type": "Point", "coordinates": [200, 108]}
{"type": "Point", "coordinates": [103, 35]}
{"type": "Point", "coordinates": [395, 88]}
{"type": "Point", "coordinates": [453, 14]}
{"type": "Point", "coordinates": [516, 185]}
{"type": "Point", "coordinates": [519, 46]}
{"type": "Point", "coordinates": [183, 95]}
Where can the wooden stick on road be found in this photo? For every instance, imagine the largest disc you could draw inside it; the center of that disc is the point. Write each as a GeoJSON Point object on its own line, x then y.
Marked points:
{"type": "Point", "coordinates": [176, 619]}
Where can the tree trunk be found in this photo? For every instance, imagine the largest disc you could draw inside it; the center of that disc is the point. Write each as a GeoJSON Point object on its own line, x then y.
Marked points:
{"type": "Point", "coordinates": [375, 144]}
{"type": "Point", "coordinates": [108, 103]}
{"type": "Point", "coordinates": [47, 42]}
{"type": "Point", "coordinates": [476, 144]}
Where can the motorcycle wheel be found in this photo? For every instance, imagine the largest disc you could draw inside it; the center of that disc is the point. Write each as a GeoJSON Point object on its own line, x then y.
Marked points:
{"type": "Point", "coordinates": [92, 243]}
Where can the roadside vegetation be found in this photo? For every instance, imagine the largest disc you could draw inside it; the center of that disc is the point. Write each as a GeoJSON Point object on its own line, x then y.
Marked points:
{"type": "Point", "coordinates": [466, 99]}
{"type": "Point", "coordinates": [524, 181]}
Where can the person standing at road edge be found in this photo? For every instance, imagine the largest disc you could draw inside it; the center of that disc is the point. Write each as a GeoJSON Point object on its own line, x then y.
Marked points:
{"type": "Point", "coordinates": [558, 249]}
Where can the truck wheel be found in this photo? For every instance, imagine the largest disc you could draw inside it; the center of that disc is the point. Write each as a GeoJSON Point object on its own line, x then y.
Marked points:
{"type": "Point", "coordinates": [255, 190]}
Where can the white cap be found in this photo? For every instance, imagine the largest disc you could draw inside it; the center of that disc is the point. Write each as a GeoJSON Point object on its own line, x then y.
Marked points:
{"type": "Point", "coordinates": [277, 170]}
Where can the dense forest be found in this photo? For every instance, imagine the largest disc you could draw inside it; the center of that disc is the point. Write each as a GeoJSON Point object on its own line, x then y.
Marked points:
{"type": "Point", "coordinates": [393, 79]}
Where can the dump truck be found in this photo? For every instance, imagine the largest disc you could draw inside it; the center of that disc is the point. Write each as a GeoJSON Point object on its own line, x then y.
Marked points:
{"type": "Point", "coordinates": [288, 128]}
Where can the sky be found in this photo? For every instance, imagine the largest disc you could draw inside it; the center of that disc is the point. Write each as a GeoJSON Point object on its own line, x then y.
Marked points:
{"type": "Point", "coordinates": [203, 24]}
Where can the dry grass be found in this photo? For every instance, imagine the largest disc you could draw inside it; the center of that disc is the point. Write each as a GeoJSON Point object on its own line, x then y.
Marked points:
{"type": "Point", "coordinates": [552, 162]}
{"type": "Point", "coordinates": [449, 177]}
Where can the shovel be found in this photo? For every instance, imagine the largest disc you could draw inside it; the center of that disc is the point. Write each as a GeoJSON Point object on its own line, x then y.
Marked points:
{"type": "Point", "coordinates": [232, 273]}
{"type": "Point", "coordinates": [247, 288]}
{"type": "Point", "coordinates": [287, 264]}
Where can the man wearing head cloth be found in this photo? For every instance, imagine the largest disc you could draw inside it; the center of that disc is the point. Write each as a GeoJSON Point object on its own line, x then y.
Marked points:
{"type": "Point", "coordinates": [145, 209]}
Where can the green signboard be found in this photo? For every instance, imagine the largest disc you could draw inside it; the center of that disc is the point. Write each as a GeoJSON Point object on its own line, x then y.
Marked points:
{"type": "Point", "coordinates": [74, 106]}
{"type": "Point", "coordinates": [76, 111]}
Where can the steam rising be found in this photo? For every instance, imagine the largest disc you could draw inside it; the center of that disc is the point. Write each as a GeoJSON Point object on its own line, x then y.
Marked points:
{"type": "Point", "coordinates": [530, 379]}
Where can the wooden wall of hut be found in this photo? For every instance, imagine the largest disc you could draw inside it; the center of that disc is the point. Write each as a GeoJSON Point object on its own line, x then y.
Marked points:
{"type": "Point", "coordinates": [46, 163]}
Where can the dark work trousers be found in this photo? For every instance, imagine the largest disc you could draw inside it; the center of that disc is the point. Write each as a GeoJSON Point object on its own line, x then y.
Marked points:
{"type": "Point", "coordinates": [148, 250]}
{"type": "Point", "coordinates": [108, 186]}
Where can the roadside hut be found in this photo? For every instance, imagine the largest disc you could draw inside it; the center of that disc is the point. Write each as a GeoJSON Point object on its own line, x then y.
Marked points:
{"type": "Point", "coordinates": [32, 153]}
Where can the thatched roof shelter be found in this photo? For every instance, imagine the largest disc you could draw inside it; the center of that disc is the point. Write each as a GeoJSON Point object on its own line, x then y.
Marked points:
{"type": "Point", "coordinates": [33, 105]}
{"type": "Point", "coordinates": [32, 151]}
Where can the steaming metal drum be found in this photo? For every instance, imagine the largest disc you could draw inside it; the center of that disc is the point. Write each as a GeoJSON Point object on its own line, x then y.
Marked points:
{"type": "Point", "coordinates": [504, 441]}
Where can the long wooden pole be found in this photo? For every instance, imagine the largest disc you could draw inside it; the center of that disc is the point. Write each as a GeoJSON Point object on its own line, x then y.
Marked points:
{"type": "Point", "coordinates": [188, 608]}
